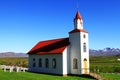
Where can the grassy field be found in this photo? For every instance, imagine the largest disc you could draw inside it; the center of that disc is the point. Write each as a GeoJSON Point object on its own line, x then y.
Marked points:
{"type": "Point", "coordinates": [97, 64]}
{"type": "Point", "coordinates": [14, 61]}
{"type": "Point", "coordinates": [35, 76]}
{"type": "Point", "coordinates": [107, 67]}
{"type": "Point", "coordinates": [105, 64]}
{"type": "Point", "coordinates": [110, 76]}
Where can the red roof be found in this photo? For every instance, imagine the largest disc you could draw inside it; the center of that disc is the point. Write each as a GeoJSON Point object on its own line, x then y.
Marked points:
{"type": "Point", "coordinates": [77, 16]}
{"type": "Point", "coordinates": [50, 46]}
{"type": "Point", "coordinates": [78, 30]}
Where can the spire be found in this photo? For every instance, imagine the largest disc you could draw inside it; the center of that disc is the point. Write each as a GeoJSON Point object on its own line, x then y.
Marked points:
{"type": "Point", "coordinates": [78, 23]}
{"type": "Point", "coordinates": [78, 16]}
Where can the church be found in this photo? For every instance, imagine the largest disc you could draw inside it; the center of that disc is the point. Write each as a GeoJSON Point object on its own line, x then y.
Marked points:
{"type": "Point", "coordinates": [62, 56]}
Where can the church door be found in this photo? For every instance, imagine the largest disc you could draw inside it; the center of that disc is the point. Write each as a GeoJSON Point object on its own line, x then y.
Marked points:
{"type": "Point", "coordinates": [85, 66]}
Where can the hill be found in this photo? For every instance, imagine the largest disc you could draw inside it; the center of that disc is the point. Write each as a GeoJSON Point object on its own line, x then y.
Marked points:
{"type": "Point", "coordinates": [13, 54]}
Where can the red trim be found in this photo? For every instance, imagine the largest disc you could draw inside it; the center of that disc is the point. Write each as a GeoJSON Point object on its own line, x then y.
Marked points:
{"type": "Point", "coordinates": [77, 30]}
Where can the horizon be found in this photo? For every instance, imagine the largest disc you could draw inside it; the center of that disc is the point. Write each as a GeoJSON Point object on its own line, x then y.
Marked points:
{"type": "Point", "coordinates": [89, 49]}
{"type": "Point", "coordinates": [26, 22]}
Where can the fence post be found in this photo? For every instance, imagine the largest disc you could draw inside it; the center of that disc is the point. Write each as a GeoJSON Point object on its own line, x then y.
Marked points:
{"type": "Point", "coordinates": [4, 68]}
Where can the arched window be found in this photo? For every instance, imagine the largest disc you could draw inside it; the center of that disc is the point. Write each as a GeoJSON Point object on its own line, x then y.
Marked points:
{"type": "Point", "coordinates": [34, 63]}
{"type": "Point", "coordinates": [84, 47]}
{"type": "Point", "coordinates": [46, 63]}
{"type": "Point", "coordinates": [40, 62]}
{"type": "Point", "coordinates": [54, 63]}
{"type": "Point", "coordinates": [75, 63]}
{"type": "Point", "coordinates": [84, 36]}
{"type": "Point", "coordinates": [85, 59]}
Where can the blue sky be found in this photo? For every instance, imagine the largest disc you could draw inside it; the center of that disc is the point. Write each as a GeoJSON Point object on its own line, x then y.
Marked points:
{"type": "Point", "coordinates": [23, 23]}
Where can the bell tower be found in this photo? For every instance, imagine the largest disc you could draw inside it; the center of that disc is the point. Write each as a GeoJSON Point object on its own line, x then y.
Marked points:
{"type": "Point", "coordinates": [78, 22]}
{"type": "Point", "coordinates": [79, 50]}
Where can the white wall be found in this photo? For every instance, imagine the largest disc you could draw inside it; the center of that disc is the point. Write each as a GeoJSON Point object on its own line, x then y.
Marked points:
{"type": "Point", "coordinates": [76, 42]}
{"type": "Point", "coordinates": [78, 24]}
{"type": "Point", "coordinates": [84, 54]}
{"type": "Point", "coordinates": [66, 61]}
{"type": "Point", "coordinates": [58, 58]}
{"type": "Point", "coordinates": [75, 51]}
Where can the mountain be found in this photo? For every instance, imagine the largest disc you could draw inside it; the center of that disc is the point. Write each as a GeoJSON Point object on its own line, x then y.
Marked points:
{"type": "Point", "coordinates": [13, 54]}
{"type": "Point", "coordinates": [105, 52]}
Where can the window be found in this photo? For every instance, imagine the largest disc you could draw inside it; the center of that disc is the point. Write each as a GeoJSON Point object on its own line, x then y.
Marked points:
{"type": "Point", "coordinates": [54, 63]}
{"type": "Point", "coordinates": [46, 63]}
{"type": "Point", "coordinates": [34, 64]}
{"type": "Point", "coordinates": [84, 36]}
{"type": "Point", "coordinates": [85, 59]}
{"type": "Point", "coordinates": [75, 63]}
{"type": "Point", "coordinates": [40, 62]}
{"type": "Point", "coordinates": [33, 59]}
{"type": "Point", "coordinates": [84, 47]}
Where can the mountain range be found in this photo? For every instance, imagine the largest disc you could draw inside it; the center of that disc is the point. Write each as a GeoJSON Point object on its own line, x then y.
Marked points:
{"type": "Point", "coordinates": [13, 54]}
{"type": "Point", "coordinates": [103, 52]}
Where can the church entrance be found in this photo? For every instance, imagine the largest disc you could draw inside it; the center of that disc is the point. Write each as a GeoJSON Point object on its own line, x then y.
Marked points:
{"type": "Point", "coordinates": [85, 66]}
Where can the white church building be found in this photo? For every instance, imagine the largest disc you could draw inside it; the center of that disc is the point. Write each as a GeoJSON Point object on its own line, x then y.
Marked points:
{"type": "Point", "coordinates": [63, 55]}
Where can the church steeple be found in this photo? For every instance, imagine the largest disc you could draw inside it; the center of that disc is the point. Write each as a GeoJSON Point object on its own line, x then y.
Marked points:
{"type": "Point", "coordinates": [78, 16]}
{"type": "Point", "coordinates": [78, 22]}
{"type": "Point", "coordinates": [79, 49]}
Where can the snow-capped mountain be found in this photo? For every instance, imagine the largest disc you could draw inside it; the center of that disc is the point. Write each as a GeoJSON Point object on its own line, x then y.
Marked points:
{"type": "Point", "coordinates": [105, 52]}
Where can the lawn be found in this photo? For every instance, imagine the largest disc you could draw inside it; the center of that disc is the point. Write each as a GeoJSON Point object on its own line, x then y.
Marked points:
{"type": "Point", "coordinates": [35, 76]}
{"type": "Point", "coordinates": [111, 76]}
{"type": "Point", "coordinates": [104, 64]}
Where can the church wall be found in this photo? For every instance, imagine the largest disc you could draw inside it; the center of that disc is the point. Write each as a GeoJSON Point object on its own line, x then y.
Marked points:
{"type": "Point", "coordinates": [75, 52]}
{"type": "Point", "coordinates": [66, 61]}
{"type": "Point", "coordinates": [57, 70]}
{"type": "Point", "coordinates": [84, 55]}
{"type": "Point", "coordinates": [77, 41]}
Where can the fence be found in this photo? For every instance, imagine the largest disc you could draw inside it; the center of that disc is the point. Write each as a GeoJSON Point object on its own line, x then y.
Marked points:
{"type": "Point", "coordinates": [13, 68]}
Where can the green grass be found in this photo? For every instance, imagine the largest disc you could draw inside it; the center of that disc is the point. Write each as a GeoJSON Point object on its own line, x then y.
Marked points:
{"type": "Point", "coordinates": [35, 76]}
{"type": "Point", "coordinates": [105, 64]}
{"type": "Point", "coordinates": [110, 76]}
